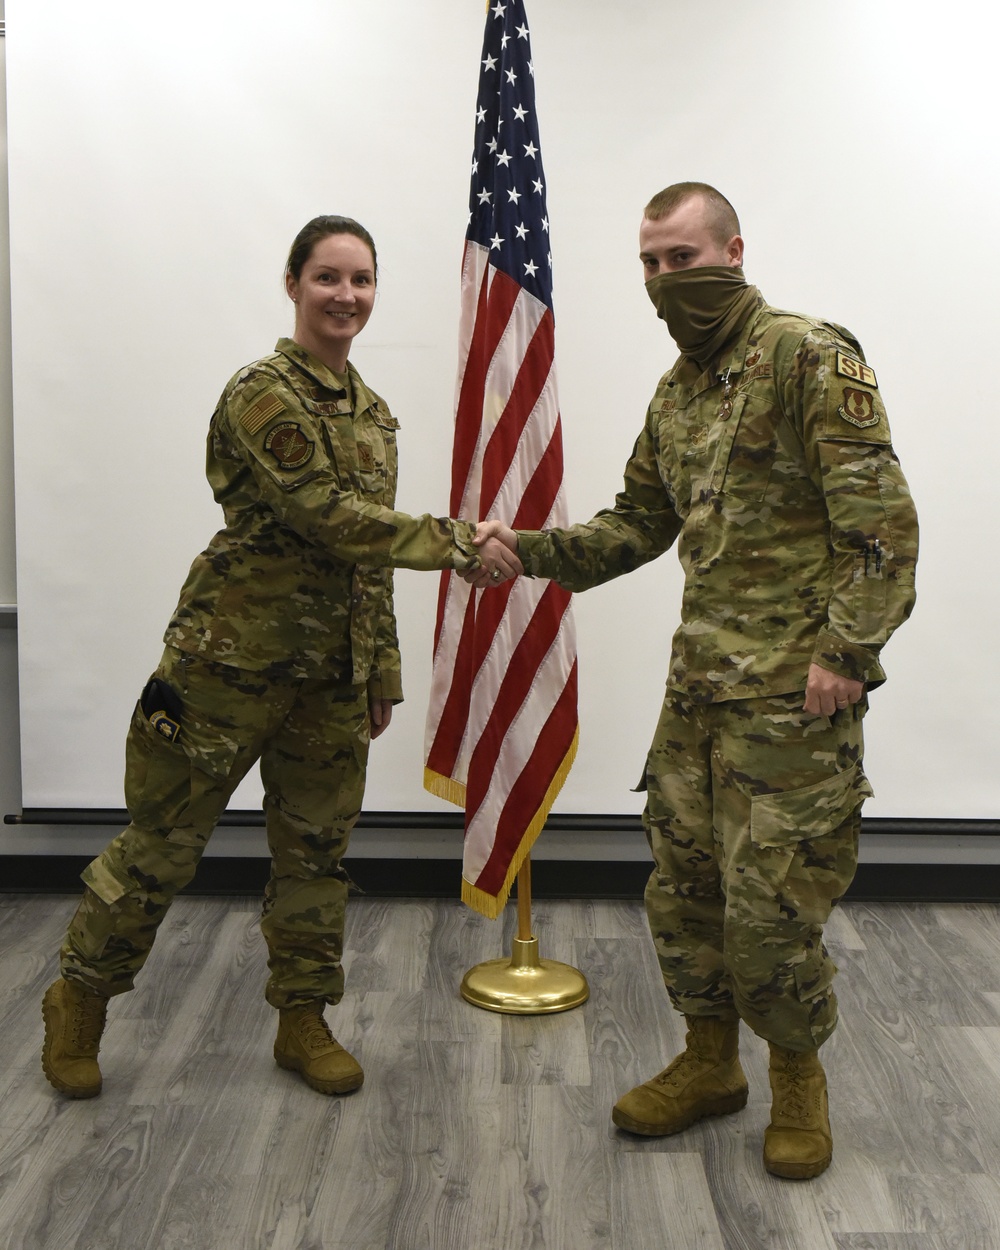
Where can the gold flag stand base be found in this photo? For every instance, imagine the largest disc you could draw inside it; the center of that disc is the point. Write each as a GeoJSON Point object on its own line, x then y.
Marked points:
{"type": "Point", "coordinates": [525, 984]}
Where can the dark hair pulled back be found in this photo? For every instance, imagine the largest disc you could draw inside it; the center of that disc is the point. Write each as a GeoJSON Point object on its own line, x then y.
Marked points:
{"type": "Point", "coordinates": [320, 228]}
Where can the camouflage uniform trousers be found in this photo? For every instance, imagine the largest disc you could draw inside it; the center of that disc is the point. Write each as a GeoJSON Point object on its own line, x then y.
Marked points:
{"type": "Point", "coordinates": [312, 739]}
{"type": "Point", "coordinates": [753, 814]}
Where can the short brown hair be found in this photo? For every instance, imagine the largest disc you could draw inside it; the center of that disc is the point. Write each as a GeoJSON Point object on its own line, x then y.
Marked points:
{"type": "Point", "coordinates": [720, 216]}
{"type": "Point", "coordinates": [321, 228]}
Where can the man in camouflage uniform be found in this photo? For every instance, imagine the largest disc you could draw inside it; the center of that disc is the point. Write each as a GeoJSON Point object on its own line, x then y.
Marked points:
{"type": "Point", "coordinates": [283, 647]}
{"type": "Point", "coordinates": [766, 453]}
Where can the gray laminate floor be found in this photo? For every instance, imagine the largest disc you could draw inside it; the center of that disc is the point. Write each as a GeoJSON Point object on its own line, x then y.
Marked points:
{"type": "Point", "coordinates": [476, 1131]}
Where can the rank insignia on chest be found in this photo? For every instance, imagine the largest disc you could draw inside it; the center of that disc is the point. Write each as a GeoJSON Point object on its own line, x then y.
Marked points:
{"type": "Point", "coordinates": [288, 445]}
{"type": "Point", "coordinates": [165, 726]}
{"type": "Point", "coordinates": [365, 457]}
{"type": "Point", "coordinates": [858, 408]}
{"type": "Point", "coordinates": [850, 367]}
{"type": "Point", "coordinates": [752, 359]}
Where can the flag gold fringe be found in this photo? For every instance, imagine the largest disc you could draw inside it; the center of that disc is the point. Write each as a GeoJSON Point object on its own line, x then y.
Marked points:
{"type": "Point", "coordinates": [444, 787]}
{"type": "Point", "coordinates": [490, 905]}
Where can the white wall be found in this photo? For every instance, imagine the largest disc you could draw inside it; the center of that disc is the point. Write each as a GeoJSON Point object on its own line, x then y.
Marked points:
{"type": "Point", "coordinates": [191, 149]}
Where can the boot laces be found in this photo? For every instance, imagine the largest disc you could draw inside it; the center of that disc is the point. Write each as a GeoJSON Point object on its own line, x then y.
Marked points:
{"type": "Point", "coordinates": [677, 1073]}
{"type": "Point", "coordinates": [314, 1032]}
{"type": "Point", "coordinates": [794, 1101]}
{"type": "Point", "coordinates": [88, 1022]}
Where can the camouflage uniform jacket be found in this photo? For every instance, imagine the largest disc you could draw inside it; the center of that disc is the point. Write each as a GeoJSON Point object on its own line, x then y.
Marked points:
{"type": "Point", "coordinates": [798, 536]}
{"type": "Point", "coordinates": [298, 582]}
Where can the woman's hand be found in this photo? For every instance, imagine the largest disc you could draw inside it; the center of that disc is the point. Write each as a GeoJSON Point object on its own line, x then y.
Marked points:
{"type": "Point", "coordinates": [380, 714]}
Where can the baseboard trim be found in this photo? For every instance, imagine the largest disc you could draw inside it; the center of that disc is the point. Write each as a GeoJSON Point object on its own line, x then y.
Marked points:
{"type": "Point", "coordinates": [552, 878]}
{"type": "Point", "coordinates": [561, 822]}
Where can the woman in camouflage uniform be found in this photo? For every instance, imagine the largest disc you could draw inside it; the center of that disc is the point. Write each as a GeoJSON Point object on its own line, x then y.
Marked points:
{"type": "Point", "coordinates": [282, 648]}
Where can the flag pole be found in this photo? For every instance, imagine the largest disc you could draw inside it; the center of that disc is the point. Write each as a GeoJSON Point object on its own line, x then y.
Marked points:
{"type": "Point", "coordinates": [524, 901]}
{"type": "Point", "coordinates": [525, 984]}
{"type": "Point", "coordinates": [502, 726]}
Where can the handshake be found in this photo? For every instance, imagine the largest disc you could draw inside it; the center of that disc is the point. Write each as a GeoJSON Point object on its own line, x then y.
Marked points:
{"type": "Point", "coordinates": [497, 545]}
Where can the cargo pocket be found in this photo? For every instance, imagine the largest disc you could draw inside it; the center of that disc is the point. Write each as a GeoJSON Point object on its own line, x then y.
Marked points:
{"type": "Point", "coordinates": [181, 783]}
{"type": "Point", "coordinates": [157, 776]}
{"type": "Point", "coordinates": [805, 846]}
{"type": "Point", "coordinates": [95, 918]}
{"type": "Point", "coordinates": [809, 812]}
{"type": "Point", "coordinates": [813, 987]}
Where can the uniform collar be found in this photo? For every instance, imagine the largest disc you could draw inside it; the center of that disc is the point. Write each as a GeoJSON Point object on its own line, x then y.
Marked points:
{"type": "Point", "coordinates": [688, 375]}
{"type": "Point", "coordinates": [325, 376]}
{"type": "Point", "coordinates": [312, 365]}
{"type": "Point", "coordinates": [731, 359]}
{"type": "Point", "coordinates": [363, 397]}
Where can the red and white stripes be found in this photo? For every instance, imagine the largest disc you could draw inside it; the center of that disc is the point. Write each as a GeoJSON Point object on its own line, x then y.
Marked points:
{"type": "Point", "coordinates": [502, 722]}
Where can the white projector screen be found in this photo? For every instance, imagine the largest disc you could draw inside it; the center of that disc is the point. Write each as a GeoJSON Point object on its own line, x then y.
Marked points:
{"type": "Point", "coordinates": [162, 158]}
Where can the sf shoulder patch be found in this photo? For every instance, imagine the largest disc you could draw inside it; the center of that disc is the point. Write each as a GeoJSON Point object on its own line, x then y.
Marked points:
{"type": "Point", "coordinates": [851, 367]}
{"type": "Point", "coordinates": [858, 408]}
{"type": "Point", "coordinates": [261, 411]}
{"type": "Point", "coordinates": [288, 445]}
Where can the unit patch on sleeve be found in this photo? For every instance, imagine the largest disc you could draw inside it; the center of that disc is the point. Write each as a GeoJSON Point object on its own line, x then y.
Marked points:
{"type": "Point", "coordinates": [851, 367]}
{"type": "Point", "coordinates": [858, 408]}
{"type": "Point", "coordinates": [288, 445]}
{"type": "Point", "coordinates": [260, 412]}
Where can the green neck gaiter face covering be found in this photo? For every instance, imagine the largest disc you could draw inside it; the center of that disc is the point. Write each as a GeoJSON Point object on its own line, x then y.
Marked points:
{"type": "Point", "coordinates": [703, 308]}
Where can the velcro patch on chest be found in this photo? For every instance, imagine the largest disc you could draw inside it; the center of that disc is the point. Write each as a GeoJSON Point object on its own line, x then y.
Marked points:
{"type": "Point", "coordinates": [288, 445]}
{"type": "Point", "coordinates": [763, 369]}
{"type": "Point", "coordinates": [365, 456]}
{"type": "Point", "coordinates": [261, 411]}
{"type": "Point", "coordinates": [851, 367]}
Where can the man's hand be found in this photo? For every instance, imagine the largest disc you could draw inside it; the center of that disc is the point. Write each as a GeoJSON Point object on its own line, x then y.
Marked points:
{"type": "Point", "coordinates": [828, 692]}
{"type": "Point", "coordinates": [380, 714]}
{"type": "Point", "coordinates": [497, 545]}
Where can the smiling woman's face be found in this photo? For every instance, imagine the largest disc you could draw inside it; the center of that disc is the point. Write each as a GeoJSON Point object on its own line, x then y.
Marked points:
{"type": "Point", "coordinates": [334, 296]}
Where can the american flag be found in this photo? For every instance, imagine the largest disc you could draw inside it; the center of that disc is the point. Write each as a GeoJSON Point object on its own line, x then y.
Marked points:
{"type": "Point", "coordinates": [502, 724]}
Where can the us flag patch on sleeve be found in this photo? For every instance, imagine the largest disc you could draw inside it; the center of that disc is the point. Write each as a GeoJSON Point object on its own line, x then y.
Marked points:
{"type": "Point", "coordinates": [260, 412]}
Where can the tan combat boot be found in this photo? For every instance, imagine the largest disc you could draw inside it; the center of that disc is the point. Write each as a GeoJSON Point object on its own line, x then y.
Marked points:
{"type": "Point", "coordinates": [74, 1021]}
{"type": "Point", "coordinates": [798, 1143]}
{"type": "Point", "coordinates": [305, 1045]}
{"type": "Point", "coordinates": [705, 1079]}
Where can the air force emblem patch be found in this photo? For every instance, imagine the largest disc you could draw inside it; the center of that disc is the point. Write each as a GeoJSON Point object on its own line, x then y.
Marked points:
{"type": "Point", "coordinates": [288, 445]}
{"type": "Point", "coordinates": [858, 408]}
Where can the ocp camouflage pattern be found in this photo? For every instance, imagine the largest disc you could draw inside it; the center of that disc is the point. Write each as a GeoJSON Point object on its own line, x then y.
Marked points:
{"type": "Point", "coordinates": [797, 533]}
{"type": "Point", "coordinates": [312, 737]}
{"type": "Point", "coordinates": [753, 813]}
{"type": "Point", "coordinates": [298, 582]}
